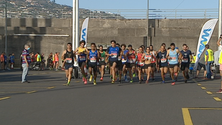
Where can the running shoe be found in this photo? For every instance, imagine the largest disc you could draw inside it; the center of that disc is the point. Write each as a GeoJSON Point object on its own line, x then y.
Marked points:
{"type": "Point", "coordinates": [68, 83]}
{"type": "Point", "coordinates": [113, 81]}
{"type": "Point", "coordinates": [101, 79]}
{"type": "Point", "coordinates": [220, 91]}
{"type": "Point", "coordinates": [163, 82]}
{"type": "Point", "coordinates": [173, 83]}
{"type": "Point", "coordinates": [85, 81]}
{"type": "Point", "coordinates": [131, 81]}
{"type": "Point", "coordinates": [94, 83]}
{"type": "Point", "coordinates": [134, 74]}
{"type": "Point", "coordinates": [90, 79]}
{"type": "Point", "coordinates": [147, 81]}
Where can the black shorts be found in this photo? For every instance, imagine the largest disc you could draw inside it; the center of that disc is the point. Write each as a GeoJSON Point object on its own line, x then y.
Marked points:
{"type": "Point", "coordinates": [153, 65]}
{"type": "Point", "coordinates": [200, 66]}
{"type": "Point", "coordinates": [102, 63]}
{"type": "Point", "coordinates": [172, 65]}
{"type": "Point", "coordinates": [119, 65]}
{"type": "Point", "coordinates": [147, 65]}
{"type": "Point", "coordinates": [111, 63]}
{"type": "Point", "coordinates": [184, 66]}
{"type": "Point", "coordinates": [81, 63]}
{"type": "Point", "coordinates": [68, 66]}
{"type": "Point", "coordinates": [130, 65]}
{"type": "Point", "coordinates": [93, 65]}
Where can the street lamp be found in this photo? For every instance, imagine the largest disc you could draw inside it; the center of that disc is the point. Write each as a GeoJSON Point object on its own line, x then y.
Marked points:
{"type": "Point", "coordinates": [147, 22]}
{"type": "Point", "coordinates": [6, 39]}
{"type": "Point", "coordinates": [219, 16]}
{"type": "Point", "coordinates": [75, 40]}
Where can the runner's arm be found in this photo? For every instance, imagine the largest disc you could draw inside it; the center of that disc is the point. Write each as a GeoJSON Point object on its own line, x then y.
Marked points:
{"type": "Point", "coordinates": [218, 42]}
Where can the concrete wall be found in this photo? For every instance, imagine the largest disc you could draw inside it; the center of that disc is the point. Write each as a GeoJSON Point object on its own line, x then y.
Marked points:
{"type": "Point", "coordinates": [102, 31]}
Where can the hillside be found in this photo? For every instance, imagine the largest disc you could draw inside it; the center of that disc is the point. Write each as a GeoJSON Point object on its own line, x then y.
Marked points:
{"type": "Point", "coordinates": [48, 9]}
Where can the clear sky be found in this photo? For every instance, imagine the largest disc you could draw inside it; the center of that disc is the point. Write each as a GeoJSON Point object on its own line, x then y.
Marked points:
{"type": "Point", "coordinates": [142, 4]}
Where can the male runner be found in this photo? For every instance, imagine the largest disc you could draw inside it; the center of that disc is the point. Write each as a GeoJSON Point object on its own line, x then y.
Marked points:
{"type": "Point", "coordinates": [162, 62]}
{"type": "Point", "coordinates": [119, 65]}
{"type": "Point", "coordinates": [185, 62]}
{"type": "Point", "coordinates": [82, 52]}
{"type": "Point", "coordinates": [113, 53]}
{"type": "Point", "coordinates": [68, 56]}
{"type": "Point", "coordinates": [173, 56]}
{"type": "Point", "coordinates": [93, 59]}
{"type": "Point", "coordinates": [131, 65]}
{"type": "Point", "coordinates": [153, 62]}
{"type": "Point", "coordinates": [124, 61]}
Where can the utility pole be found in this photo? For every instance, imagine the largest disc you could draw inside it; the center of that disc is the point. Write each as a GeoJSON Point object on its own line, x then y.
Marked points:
{"type": "Point", "coordinates": [219, 16]}
{"type": "Point", "coordinates": [6, 40]}
{"type": "Point", "coordinates": [147, 23]}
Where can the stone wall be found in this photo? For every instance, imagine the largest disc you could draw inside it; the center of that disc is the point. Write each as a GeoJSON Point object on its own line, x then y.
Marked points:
{"type": "Point", "coordinates": [102, 31]}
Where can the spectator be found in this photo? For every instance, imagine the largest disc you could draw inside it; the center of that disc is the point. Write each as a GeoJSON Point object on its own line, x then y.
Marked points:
{"type": "Point", "coordinates": [12, 60]}
{"type": "Point", "coordinates": [26, 60]}
{"type": "Point", "coordinates": [2, 61]}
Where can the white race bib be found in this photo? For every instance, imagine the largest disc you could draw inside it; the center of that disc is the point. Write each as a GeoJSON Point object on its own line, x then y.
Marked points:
{"type": "Point", "coordinates": [93, 60]}
{"type": "Point", "coordinates": [68, 60]}
{"type": "Point", "coordinates": [163, 60]}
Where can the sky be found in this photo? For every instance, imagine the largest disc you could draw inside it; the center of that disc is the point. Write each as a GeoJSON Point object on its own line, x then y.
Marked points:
{"type": "Point", "coordinates": [142, 4]}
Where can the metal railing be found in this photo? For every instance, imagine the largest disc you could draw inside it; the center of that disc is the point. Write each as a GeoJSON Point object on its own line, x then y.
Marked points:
{"type": "Point", "coordinates": [156, 13]}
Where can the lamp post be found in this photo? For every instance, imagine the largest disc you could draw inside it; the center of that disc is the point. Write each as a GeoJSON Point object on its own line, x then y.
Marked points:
{"type": "Point", "coordinates": [219, 16]}
{"type": "Point", "coordinates": [147, 23]}
{"type": "Point", "coordinates": [6, 39]}
{"type": "Point", "coordinates": [75, 40]}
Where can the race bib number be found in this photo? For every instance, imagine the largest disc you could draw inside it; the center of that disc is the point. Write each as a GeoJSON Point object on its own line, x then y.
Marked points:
{"type": "Point", "coordinates": [82, 58]}
{"type": "Point", "coordinates": [102, 59]}
{"type": "Point", "coordinates": [123, 61]}
{"type": "Point", "coordinates": [141, 64]}
{"type": "Point", "coordinates": [68, 60]}
{"type": "Point", "coordinates": [132, 61]}
{"type": "Point", "coordinates": [93, 60]}
{"type": "Point", "coordinates": [148, 57]}
{"type": "Point", "coordinates": [114, 55]}
{"type": "Point", "coordinates": [185, 60]}
{"type": "Point", "coordinates": [163, 60]}
{"type": "Point", "coordinates": [173, 59]}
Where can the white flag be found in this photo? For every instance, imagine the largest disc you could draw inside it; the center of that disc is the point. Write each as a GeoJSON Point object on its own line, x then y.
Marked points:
{"type": "Point", "coordinates": [84, 30]}
{"type": "Point", "coordinates": [204, 38]}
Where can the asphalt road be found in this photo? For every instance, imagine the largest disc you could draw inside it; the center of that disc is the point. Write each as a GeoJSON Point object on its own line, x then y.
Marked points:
{"type": "Point", "coordinates": [46, 101]}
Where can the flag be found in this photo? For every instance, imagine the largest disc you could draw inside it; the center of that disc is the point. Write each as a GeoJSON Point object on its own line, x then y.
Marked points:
{"type": "Point", "coordinates": [84, 30]}
{"type": "Point", "coordinates": [204, 38]}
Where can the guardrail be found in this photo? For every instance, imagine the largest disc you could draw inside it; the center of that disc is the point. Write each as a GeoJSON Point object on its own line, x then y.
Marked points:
{"type": "Point", "coordinates": [158, 13]}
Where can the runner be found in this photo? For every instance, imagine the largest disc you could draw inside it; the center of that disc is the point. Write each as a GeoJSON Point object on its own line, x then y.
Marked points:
{"type": "Point", "coordinates": [220, 62]}
{"type": "Point", "coordinates": [119, 65]}
{"type": "Point", "coordinates": [102, 62]}
{"type": "Point", "coordinates": [173, 58]}
{"type": "Point", "coordinates": [68, 56]}
{"type": "Point", "coordinates": [148, 56]}
{"type": "Point", "coordinates": [153, 62]}
{"type": "Point", "coordinates": [56, 56]}
{"type": "Point", "coordinates": [162, 62]}
{"type": "Point", "coordinates": [185, 62]}
{"type": "Point", "coordinates": [2, 61]}
{"type": "Point", "coordinates": [124, 61]}
{"type": "Point", "coordinates": [93, 59]}
{"type": "Point", "coordinates": [201, 64]}
{"type": "Point", "coordinates": [113, 53]}
{"type": "Point", "coordinates": [131, 65]}
{"type": "Point", "coordinates": [140, 64]}
{"type": "Point", "coordinates": [82, 61]}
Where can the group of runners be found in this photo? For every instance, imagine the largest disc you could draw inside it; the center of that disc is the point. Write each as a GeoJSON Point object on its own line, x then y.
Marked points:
{"type": "Point", "coordinates": [124, 60]}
